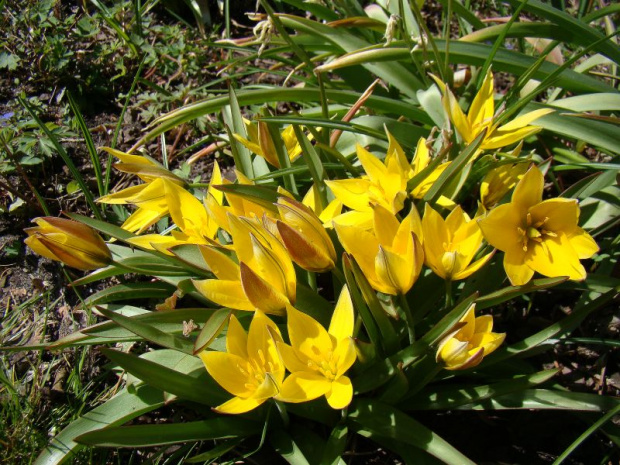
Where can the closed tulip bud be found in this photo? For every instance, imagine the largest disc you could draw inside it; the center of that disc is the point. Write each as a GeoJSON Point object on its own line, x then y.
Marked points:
{"type": "Point", "coordinates": [470, 342]}
{"type": "Point", "coordinates": [304, 236]}
{"type": "Point", "coordinates": [70, 242]}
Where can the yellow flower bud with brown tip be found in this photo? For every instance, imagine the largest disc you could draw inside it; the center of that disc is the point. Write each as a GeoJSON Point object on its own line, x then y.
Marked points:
{"type": "Point", "coordinates": [70, 242]}
{"type": "Point", "coordinates": [304, 236]}
{"type": "Point", "coordinates": [470, 341]}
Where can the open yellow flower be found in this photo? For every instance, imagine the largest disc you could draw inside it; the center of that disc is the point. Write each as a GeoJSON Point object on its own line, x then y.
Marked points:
{"type": "Point", "coordinates": [304, 236]}
{"type": "Point", "coordinates": [451, 244]}
{"type": "Point", "coordinates": [149, 197]}
{"type": "Point", "coordinates": [481, 115]}
{"type": "Point", "coordinates": [466, 346]}
{"type": "Point", "coordinates": [251, 368]}
{"type": "Point", "coordinates": [68, 241]}
{"type": "Point", "coordinates": [390, 255]}
{"type": "Point", "coordinates": [327, 214]}
{"type": "Point", "coordinates": [384, 184]}
{"type": "Point", "coordinates": [188, 214]}
{"type": "Point", "coordinates": [261, 143]}
{"type": "Point", "coordinates": [319, 359]}
{"type": "Point", "coordinates": [264, 278]}
{"type": "Point", "coordinates": [538, 235]}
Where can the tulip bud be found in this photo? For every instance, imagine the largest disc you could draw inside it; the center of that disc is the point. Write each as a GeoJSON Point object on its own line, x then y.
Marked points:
{"type": "Point", "coordinates": [469, 342]}
{"type": "Point", "coordinates": [68, 241]}
{"type": "Point", "coordinates": [304, 236]}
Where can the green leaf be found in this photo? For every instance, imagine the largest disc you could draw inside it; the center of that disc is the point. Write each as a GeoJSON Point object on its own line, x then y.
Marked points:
{"type": "Point", "coordinates": [131, 291]}
{"type": "Point", "coordinates": [120, 409]}
{"type": "Point", "coordinates": [317, 170]}
{"type": "Point", "coordinates": [235, 124]}
{"type": "Point", "coordinates": [511, 292]}
{"type": "Point", "coordinates": [378, 419]}
{"type": "Point", "coordinates": [109, 332]}
{"type": "Point", "coordinates": [284, 445]}
{"type": "Point", "coordinates": [449, 397]}
{"type": "Point", "coordinates": [262, 195]}
{"type": "Point", "coordinates": [212, 328]}
{"type": "Point", "coordinates": [221, 427]}
{"type": "Point", "coordinates": [335, 446]}
{"type": "Point", "coordinates": [182, 385]}
{"type": "Point", "coordinates": [545, 399]}
{"type": "Point", "coordinates": [149, 332]}
{"type": "Point", "coordinates": [279, 94]}
{"type": "Point", "coordinates": [101, 226]}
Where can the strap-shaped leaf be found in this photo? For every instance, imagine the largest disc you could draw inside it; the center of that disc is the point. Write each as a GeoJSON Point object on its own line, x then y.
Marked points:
{"type": "Point", "coordinates": [220, 427]}
{"type": "Point", "coordinates": [184, 386]}
{"type": "Point", "coordinates": [149, 332]}
{"type": "Point", "coordinates": [121, 408]}
{"type": "Point", "coordinates": [379, 419]}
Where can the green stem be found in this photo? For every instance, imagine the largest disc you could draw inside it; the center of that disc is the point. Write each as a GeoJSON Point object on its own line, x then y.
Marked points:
{"type": "Point", "coordinates": [408, 316]}
{"type": "Point", "coordinates": [449, 301]}
{"type": "Point", "coordinates": [338, 275]}
{"type": "Point", "coordinates": [311, 280]}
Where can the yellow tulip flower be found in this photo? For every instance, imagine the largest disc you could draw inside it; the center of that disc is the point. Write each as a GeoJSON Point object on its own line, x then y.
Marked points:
{"type": "Point", "coordinates": [263, 279]}
{"type": "Point", "coordinates": [148, 197]}
{"type": "Point", "coordinates": [187, 212]}
{"type": "Point", "coordinates": [319, 359]}
{"type": "Point", "coordinates": [466, 346]}
{"type": "Point", "coordinates": [538, 235]}
{"type": "Point", "coordinates": [451, 244]}
{"type": "Point", "coordinates": [68, 241]}
{"type": "Point", "coordinates": [260, 142]}
{"type": "Point", "coordinates": [481, 116]}
{"type": "Point", "coordinates": [304, 236]}
{"type": "Point", "coordinates": [384, 184]}
{"type": "Point", "coordinates": [390, 255]}
{"type": "Point", "coordinates": [251, 368]}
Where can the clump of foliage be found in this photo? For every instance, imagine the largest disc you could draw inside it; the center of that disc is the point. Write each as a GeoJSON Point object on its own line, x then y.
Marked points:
{"type": "Point", "coordinates": [351, 277]}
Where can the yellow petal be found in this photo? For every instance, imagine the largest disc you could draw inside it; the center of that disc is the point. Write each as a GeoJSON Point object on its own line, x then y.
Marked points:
{"type": "Point", "coordinates": [529, 190]}
{"type": "Point", "coordinates": [385, 225]}
{"type": "Point", "coordinates": [556, 257]}
{"type": "Point", "coordinates": [483, 107]}
{"type": "Point", "coordinates": [261, 293]}
{"type": "Point", "coordinates": [374, 168]}
{"type": "Point", "coordinates": [556, 215]}
{"type": "Point", "coordinates": [228, 370]}
{"type": "Point", "coordinates": [344, 356]}
{"type": "Point", "coordinates": [236, 339]}
{"type": "Point", "coordinates": [499, 138]}
{"type": "Point", "coordinates": [220, 264]}
{"type": "Point", "coordinates": [458, 118]}
{"type": "Point", "coordinates": [303, 252]}
{"type": "Point", "coordinates": [303, 386]}
{"type": "Point", "coordinates": [352, 192]}
{"type": "Point", "coordinates": [518, 272]}
{"type": "Point", "coordinates": [237, 405]}
{"type": "Point", "coordinates": [524, 120]}
{"type": "Point", "coordinates": [307, 335]}
{"type": "Point", "coordinates": [293, 360]}
{"type": "Point", "coordinates": [471, 269]}
{"type": "Point", "coordinates": [225, 293]}
{"type": "Point", "coordinates": [341, 393]}
{"type": "Point", "coordinates": [394, 270]}
{"type": "Point", "coordinates": [142, 219]}
{"type": "Point", "coordinates": [343, 318]}
{"type": "Point", "coordinates": [583, 244]}
{"type": "Point", "coordinates": [422, 157]}
{"type": "Point", "coordinates": [500, 227]}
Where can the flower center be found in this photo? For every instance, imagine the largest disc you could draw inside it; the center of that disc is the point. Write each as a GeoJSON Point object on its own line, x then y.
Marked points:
{"type": "Point", "coordinates": [327, 366]}
{"type": "Point", "coordinates": [534, 232]}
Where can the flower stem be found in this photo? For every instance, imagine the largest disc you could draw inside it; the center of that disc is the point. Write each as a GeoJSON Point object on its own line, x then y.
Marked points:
{"type": "Point", "coordinates": [311, 280]}
{"type": "Point", "coordinates": [449, 301]}
{"type": "Point", "coordinates": [408, 316]}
